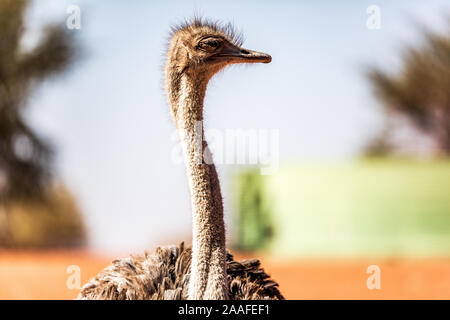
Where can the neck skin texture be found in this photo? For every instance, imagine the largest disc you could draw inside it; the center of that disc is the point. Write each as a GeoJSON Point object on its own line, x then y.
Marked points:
{"type": "Point", "coordinates": [208, 267]}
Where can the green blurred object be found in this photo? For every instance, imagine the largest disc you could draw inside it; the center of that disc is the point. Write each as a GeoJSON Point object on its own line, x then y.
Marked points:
{"type": "Point", "coordinates": [366, 208]}
{"type": "Point", "coordinates": [254, 203]}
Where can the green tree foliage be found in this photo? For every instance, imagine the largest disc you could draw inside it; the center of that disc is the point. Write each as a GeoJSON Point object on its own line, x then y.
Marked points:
{"type": "Point", "coordinates": [254, 216]}
{"type": "Point", "coordinates": [420, 91]}
{"type": "Point", "coordinates": [25, 158]}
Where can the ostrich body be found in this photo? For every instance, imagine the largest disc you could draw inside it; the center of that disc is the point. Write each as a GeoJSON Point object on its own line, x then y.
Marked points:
{"type": "Point", "coordinates": [197, 50]}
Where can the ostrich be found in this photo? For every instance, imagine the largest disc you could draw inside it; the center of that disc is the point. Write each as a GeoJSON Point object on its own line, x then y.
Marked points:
{"type": "Point", "coordinates": [197, 50]}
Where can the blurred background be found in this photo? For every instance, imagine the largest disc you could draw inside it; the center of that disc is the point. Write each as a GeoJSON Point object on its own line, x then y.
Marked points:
{"type": "Point", "coordinates": [359, 93]}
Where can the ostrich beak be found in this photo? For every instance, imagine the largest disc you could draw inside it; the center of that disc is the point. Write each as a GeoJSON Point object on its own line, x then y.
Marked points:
{"type": "Point", "coordinates": [234, 54]}
{"type": "Point", "coordinates": [253, 56]}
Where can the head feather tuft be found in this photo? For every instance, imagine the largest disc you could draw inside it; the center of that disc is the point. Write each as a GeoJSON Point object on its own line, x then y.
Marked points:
{"type": "Point", "coordinates": [226, 29]}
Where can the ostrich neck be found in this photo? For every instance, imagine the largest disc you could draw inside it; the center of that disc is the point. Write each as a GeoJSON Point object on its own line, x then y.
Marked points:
{"type": "Point", "coordinates": [208, 267]}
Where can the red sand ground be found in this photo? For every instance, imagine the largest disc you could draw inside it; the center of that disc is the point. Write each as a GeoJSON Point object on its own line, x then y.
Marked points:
{"type": "Point", "coordinates": [42, 275]}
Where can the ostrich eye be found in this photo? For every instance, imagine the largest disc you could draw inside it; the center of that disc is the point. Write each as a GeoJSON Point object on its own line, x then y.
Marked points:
{"type": "Point", "coordinates": [210, 44]}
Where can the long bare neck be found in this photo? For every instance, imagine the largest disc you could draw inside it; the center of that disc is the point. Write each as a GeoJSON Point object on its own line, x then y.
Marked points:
{"type": "Point", "coordinates": [208, 267]}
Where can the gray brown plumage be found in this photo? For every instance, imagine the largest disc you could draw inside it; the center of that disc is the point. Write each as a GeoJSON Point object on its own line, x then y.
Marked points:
{"type": "Point", "coordinates": [164, 275]}
{"type": "Point", "coordinates": [197, 50]}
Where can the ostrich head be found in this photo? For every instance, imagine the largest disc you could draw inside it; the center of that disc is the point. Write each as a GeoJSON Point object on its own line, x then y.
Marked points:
{"type": "Point", "coordinates": [204, 48]}
{"type": "Point", "coordinates": [198, 49]}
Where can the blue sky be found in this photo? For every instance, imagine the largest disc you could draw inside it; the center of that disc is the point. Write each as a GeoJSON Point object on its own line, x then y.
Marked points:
{"type": "Point", "coordinates": [109, 121]}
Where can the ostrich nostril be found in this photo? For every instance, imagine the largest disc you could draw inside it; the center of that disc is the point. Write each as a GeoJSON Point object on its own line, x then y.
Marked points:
{"type": "Point", "coordinates": [243, 51]}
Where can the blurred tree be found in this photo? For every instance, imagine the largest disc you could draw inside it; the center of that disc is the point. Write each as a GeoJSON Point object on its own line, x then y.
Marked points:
{"type": "Point", "coordinates": [54, 223]}
{"type": "Point", "coordinates": [34, 210]}
{"type": "Point", "coordinates": [255, 227]}
{"type": "Point", "coordinates": [420, 92]}
{"type": "Point", "coordinates": [25, 158]}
